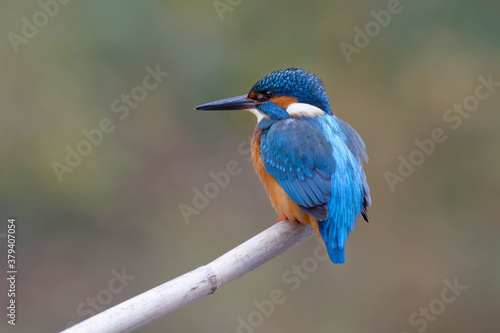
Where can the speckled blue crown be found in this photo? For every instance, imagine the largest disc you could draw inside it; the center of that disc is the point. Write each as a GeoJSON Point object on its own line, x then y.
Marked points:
{"type": "Point", "coordinates": [296, 82]}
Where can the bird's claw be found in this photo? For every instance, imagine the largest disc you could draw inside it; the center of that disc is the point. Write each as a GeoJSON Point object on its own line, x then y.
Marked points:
{"type": "Point", "coordinates": [281, 219]}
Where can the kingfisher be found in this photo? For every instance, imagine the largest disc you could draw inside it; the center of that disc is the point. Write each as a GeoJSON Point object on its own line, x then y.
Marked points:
{"type": "Point", "coordinates": [308, 160]}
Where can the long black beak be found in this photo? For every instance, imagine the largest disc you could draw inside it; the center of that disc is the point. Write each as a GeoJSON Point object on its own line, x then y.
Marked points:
{"type": "Point", "coordinates": [234, 103]}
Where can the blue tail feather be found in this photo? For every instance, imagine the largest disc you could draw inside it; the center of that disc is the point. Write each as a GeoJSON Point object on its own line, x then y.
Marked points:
{"type": "Point", "coordinates": [337, 255]}
{"type": "Point", "coordinates": [335, 240]}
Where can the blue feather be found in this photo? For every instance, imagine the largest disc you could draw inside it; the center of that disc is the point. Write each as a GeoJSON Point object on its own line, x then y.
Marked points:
{"type": "Point", "coordinates": [349, 186]}
{"type": "Point", "coordinates": [318, 161]}
{"type": "Point", "coordinates": [303, 85]}
{"type": "Point", "coordinates": [293, 150]}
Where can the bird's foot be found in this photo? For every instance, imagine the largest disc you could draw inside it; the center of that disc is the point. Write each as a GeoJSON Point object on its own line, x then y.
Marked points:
{"type": "Point", "coordinates": [281, 219]}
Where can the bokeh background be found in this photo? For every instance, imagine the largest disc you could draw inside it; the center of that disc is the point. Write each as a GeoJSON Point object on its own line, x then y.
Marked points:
{"type": "Point", "coordinates": [119, 208]}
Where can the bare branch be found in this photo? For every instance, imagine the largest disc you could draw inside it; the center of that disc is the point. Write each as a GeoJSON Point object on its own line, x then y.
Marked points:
{"type": "Point", "coordinates": [155, 303]}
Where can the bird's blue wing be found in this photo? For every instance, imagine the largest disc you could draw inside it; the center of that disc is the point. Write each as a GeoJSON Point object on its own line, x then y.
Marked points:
{"type": "Point", "coordinates": [298, 155]}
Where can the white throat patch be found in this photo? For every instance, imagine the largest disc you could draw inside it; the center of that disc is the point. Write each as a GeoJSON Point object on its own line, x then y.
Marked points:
{"type": "Point", "coordinates": [304, 109]}
{"type": "Point", "coordinates": [258, 114]}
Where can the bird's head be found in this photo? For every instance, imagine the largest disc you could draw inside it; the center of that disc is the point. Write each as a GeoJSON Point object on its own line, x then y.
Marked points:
{"type": "Point", "coordinates": [282, 94]}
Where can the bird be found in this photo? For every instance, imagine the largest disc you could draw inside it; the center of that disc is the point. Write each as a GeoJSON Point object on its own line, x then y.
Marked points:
{"type": "Point", "coordinates": [309, 161]}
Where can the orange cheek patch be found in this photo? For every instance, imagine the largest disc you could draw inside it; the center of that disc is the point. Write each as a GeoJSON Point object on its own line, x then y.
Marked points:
{"type": "Point", "coordinates": [283, 101]}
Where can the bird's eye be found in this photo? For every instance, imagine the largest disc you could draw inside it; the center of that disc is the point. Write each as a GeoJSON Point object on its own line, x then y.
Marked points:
{"type": "Point", "coordinates": [265, 96]}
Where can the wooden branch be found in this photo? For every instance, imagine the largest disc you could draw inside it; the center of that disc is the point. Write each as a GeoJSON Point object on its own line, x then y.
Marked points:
{"type": "Point", "coordinates": [155, 303]}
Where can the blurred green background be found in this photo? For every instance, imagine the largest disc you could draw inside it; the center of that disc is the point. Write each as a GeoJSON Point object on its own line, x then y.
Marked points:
{"type": "Point", "coordinates": [119, 208]}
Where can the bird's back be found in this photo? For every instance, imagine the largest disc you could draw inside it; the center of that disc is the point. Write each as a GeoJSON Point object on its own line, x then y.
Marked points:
{"type": "Point", "coordinates": [350, 193]}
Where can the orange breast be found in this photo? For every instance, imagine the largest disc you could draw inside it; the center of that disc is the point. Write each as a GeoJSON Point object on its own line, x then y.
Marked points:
{"type": "Point", "coordinates": [283, 205]}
